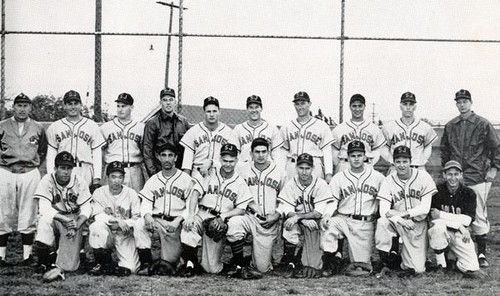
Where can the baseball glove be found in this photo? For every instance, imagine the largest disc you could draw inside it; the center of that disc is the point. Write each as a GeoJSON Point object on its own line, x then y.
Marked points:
{"type": "Point", "coordinates": [53, 275]}
{"type": "Point", "coordinates": [250, 273]}
{"type": "Point", "coordinates": [93, 187]}
{"type": "Point", "coordinates": [215, 228]}
{"type": "Point", "coordinates": [359, 269]}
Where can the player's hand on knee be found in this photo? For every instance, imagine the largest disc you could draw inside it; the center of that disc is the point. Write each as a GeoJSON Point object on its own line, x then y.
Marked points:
{"type": "Point", "coordinates": [126, 230]}
{"type": "Point", "coordinates": [466, 238]}
{"type": "Point", "coordinates": [188, 223]}
{"type": "Point", "coordinates": [71, 233]}
{"type": "Point", "coordinates": [408, 224]}
{"type": "Point", "coordinates": [290, 222]}
{"type": "Point", "coordinates": [324, 223]}
{"type": "Point", "coordinates": [149, 222]}
{"type": "Point", "coordinates": [434, 213]}
{"type": "Point", "coordinates": [310, 224]}
{"type": "Point", "coordinates": [205, 166]}
{"type": "Point", "coordinates": [70, 223]}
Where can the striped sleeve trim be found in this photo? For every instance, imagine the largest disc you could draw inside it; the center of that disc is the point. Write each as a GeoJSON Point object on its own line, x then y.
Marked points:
{"type": "Point", "coordinates": [381, 144]}
{"type": "Point", "coordinates": [328, 200]}
{"type": "Point", "coordinates": [143, 196]}
{"type": "Point", "coordinates": [329, 143]}
{"type": "Point", "coordinates": [285, 201]}
{"type": "Point", "coordinates": [246, 200]}
{"type": "Point", "coordinates": [86, 201]}
{"type": "Point", "coordinates": [431, 141]}
{"type": "Point", "coordinates": [42, 196]}
{"type": "Point", "coordinates": [186, 145]}
{"type": "Point", "coordinates": [384, 198]}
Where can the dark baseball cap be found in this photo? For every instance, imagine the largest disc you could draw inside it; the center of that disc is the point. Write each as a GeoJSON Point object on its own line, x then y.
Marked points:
{"type": "Point", "coordinates": [305, 158]}
{"type": "Point", "coordinates": [401, 151]}
{"type": "Point", "coordinates": [301, 96]}
{"type": "Point", "coordinates": [64, 158]}
{"type": "Point", "coordinates": [167, 146]}
{"type": "Point", "coordinates": [408, 97]}
{"type": "Point", "coordinates": [210, 101]}
{"type": "Point", "coordinates": [357, 97]}
{"type": "Point", "coordinates": [463, 94]}
{"type": "Point", "coordinates": [72, 96]}
{"type": "Point", "coordinates": [253, 99]}
{"type": "Point", "coordinates": [167, 92]}
{"type": "Point", "coordinates": [125, 98]}
{"type": "Point", "coordinates": [452, 164]}
{"type": "Point", "coordinates": [22, 98]}
{"type": "Point", "coordinates": [229, 149]}
{"type": "Point", "coordinates": [115, 166]}
{"type": "Point", "coordinates": [356, 146]}
{"type": "Point", "coordinates": [259, 142]}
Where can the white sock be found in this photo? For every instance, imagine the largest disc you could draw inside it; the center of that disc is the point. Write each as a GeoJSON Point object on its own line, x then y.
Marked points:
{"type": "Point", "coordinates": [190, 264]}
{"type": "Point", "coordinates": [27, 251]}
{"type": "Point", "coordinates": [441, 260]}
{"type": "Point", "coordinates": [3, 252]}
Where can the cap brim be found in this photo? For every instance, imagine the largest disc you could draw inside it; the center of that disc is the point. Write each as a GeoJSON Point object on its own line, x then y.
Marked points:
{"type": "Point", "coordinates": [123, 101]}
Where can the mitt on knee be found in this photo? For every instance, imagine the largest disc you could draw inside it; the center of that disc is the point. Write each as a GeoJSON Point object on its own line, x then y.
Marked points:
{"type": "Point", "coordinates": [215, 228]}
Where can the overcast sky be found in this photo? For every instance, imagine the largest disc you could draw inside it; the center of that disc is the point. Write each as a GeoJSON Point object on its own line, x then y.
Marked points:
{"type": "Point", "coordinates": [233, 69]}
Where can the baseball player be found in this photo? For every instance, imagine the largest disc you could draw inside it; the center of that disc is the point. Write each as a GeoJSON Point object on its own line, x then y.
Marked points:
{"type": "Point", "coordinates": [79, 136]}
{"type": "Point", "coordinates": [166, 126]}
{"type": "Point", "coordinates": [124, 141]}
{"type": "Point", "coordinates": [355, 208]}
{"type": "Point", "coordinates": [404, 201]}
{"type": "Point", "coordinates": [222, 194]}
{"type": "Point", "coordinates": [452, 211]}
{"type": "Point", "coordinates": [115, 208]}
{"type": "Point", "coordinates": [163, 210]}
{"type": "Point", "coordinates": [23, 147]}
{"type": "Point", "coordinates": [265, 180]}
{"type": "Point", "coordinates": [203, 140]}
{"type": "Point", "coordinates": [360, 129]}
{"type": "Point", "coordinates": [308, 134]}
{"type": "Point", "coordinates": [411, 132]}
{"type": "Point", "coordinates": [472, 141]}
{"type": "Point", "coordinates": [256, 127]}
{"type": "Point", "coordinates": [64, 206]}
{"type": "Point", "coordinates": [302, 200]}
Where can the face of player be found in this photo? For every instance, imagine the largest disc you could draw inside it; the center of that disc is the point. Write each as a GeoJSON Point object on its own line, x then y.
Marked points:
{"type": "Point", "coordinates": [260, 154]}
{"type": "Point", "coordinates": [302, 108]}
{"type": "Point", "coordinates": [356, 160]}
{"type": "Point", "coordinates": [228, 163]}
{"type": "Point", "coordinates": [402, 165]}
{"type": "Point", "coordinates": [63, 174]}
{"type": "Point", "coordinates": [22, 111]}
{"type": "Point", "coordinates": [453, 177]}
{"type": "Point", "coordinates": [73, 108]}
{"type": "Point", "coordinates": [123, 111]}
{"type": "Point", "coordinates": [212, 114]}
{"type": "Point", "coordinates": [408, 109]}
{"type": "Point", "coordinates": [463, 105]}
{"type": "Point", "coordinates": [304, 172]}
{"type": "Point", "coordinates": [115, 180]}
{"type": "Point", "coordinates": [357, 110]}
{"type": "Point", "coordinates": [254, 111]}
{"type": "Point", "coordinates": [168, 104]}
{"type": "Point", "coordinates": [167, 159]}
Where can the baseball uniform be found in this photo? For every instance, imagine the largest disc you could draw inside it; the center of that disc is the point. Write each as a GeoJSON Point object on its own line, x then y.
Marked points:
{"type": "Point", "coordinates": [312, 137]}
{"type": "Point", "coordinates": [201, 143]}
{"type": "Point", "coordinates": [264, 186]}
{"type": "Point", "coordinates": [413, 195]}
{"type": "Point", "coordinates": [83, 140]}
{"type": "Point", "coordinates": [356, 206]}
{"type": "Point", "coordinates": [364, 131]}
{"type": "Point", "coordinates": [245, 134]}
{"type": "Point", "coordinates": [125, 206]}
{"type": "Point", "coordinates": [298, 198]}
{"type": "Point", "coordinates": [217, 195]}
{"type": "Point", "coordinates": [71, 200]}
{"type": "Point", "coordinates": [124, 144]}
{"type": "Point", "coordinates": [164, 198]}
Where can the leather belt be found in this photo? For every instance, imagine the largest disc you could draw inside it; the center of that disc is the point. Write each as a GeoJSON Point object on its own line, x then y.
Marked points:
{"type": "Point", "coordinates": [130, 164]}
{"type": "Point", "coordinates": [362, 218]}
{"type": "Point", "coordinates": [17, 169]}
{"type": "Point", "coordinates": [209, 210]}
{"type": "Point", "coordinates": [252, 211]}
{"type": "Point", "coordinates": [164, 217]}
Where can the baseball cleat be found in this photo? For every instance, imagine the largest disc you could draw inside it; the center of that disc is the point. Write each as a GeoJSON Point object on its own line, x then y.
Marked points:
{"type": "Point", "coordinates": [54, 274]}
{"type": "Point", "coordinates": [383, 272]}
{"type": "Point", "coordinates": [476, 275]}
{"type": "Point", "coordinates": [144, 269]}
{"type": "Point", "coordinates": [2, 262]}
{"type": "Point", "coordinates": [29, 262]}
{"type": "Point", "coordinates": [122, 271]}
{"type": "Point", "coordinates": [235, 272]}
{"type": "Point", "coordinates": [482, 261]}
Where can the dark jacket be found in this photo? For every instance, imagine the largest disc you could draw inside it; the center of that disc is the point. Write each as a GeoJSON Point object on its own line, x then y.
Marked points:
{"type": "Point", "coordinates": [161, 129]}
{"type": "Point", "coordinates": [474, 143]}
{"type": "Point", "coordinates": [463, 201]}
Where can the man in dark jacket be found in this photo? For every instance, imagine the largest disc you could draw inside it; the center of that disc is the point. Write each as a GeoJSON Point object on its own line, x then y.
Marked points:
{"type": "Point", "coordinates": [166, 126]}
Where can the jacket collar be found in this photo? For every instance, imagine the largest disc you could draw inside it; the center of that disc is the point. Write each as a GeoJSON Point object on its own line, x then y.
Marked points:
{"type": "Point", "coordinates": [472, 118]}
{"type": "Point", "coordinates": [164, 116]}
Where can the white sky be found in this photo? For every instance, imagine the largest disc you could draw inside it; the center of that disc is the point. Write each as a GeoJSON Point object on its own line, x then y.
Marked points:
{"type": "Point", "coordinates": [233, 69]}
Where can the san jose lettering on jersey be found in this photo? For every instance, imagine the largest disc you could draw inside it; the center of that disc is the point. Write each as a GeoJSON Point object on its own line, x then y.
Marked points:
{"type": "Point", "coordinates": [365, 188]}
{"type": "Point", "coordinates": [348, 138]}
{"type": "Point", "coordinates": [206, 139]}
{"type": "Point", "coordinates": [114, 136]}
{"type": "Point", "coordinates": [403, 137]}
{"type": "Point", "coordinates": [175, 191]}
{"type": "Point", "coordinates": [269, 182]}
{"type": "Point", "coordinates": [226, 192]}
{"type": "Point", "coordinates": [310, 136]}
{"type": "Point", "coordinates": [118, 212]}
{"type": "Point", "coordinates": [63, 135]}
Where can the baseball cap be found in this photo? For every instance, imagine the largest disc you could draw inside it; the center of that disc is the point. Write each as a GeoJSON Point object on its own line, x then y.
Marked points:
{"type": "Point", "coordinates": [408, 97]}
{"type": "Point", "coordinates": [253, 99]}
{"type": "Point", "coordinates": [115, 166]}
{"type": "Point", "coordinates": [355, 146]}
{"type": "Point", "coordinates": [72, 96]}
{"type": "Point", "coordinates": [167, 92]}
{"type": "Point", "coordinates": [229, 149]}
{"type": "Point", "coordinates": [305, 158]}
{"type": "Point", "coordinates": [125, 98]}
{"type": "Point", "coordinates": [259, 142]}
{"type": "Point", "coordinates": [167, 146]}
{"type": "Point", "coordinates": [64, 158]}
{"type": "Point", "coordinates": [22, 98]}
{"type": "Point", "coordinates": [301, 96]}
{"type": "Point", "coordinates": [401, 151]}
{"type": "Point", "coordinates": [463, 94]}
{"type": "Point", "coordinates": [452, 164]}
{"type": "Point", "coordinates": [210, 101]}
{"type": "Point", "coordinates": [357, 97]}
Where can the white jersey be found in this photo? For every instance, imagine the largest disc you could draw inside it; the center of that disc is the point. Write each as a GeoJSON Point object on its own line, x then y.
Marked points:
{"type": "Point", "coordinates": [203, 144]}
{"type": "Point", "coordinates": [311, 137]}
{"type": "Point", "coordinates": [167, 196]}
{"type": "Point", "coordinates": [220, 194]}
{"type": "Point", "coordinates": [417, 136]}
{"type": "Point", "coordinates": [264, 185]}
{"type": "Point", "coordinates": [245, 134]}
{"type": "Point", "coordinates": [296, 197]}
{"type": "Point", "coordinates": [123, 141]}
{"type": "Point", "coordinates": [356, 194]}
{"type": "Point", "coordinates": [365, 131]}
{"type": "Point", "coordinates": [125, 206]}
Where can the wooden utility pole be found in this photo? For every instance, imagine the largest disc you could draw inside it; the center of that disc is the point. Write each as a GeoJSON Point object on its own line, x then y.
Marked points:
{"type": "Point", "coordinates": [97, 66]}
